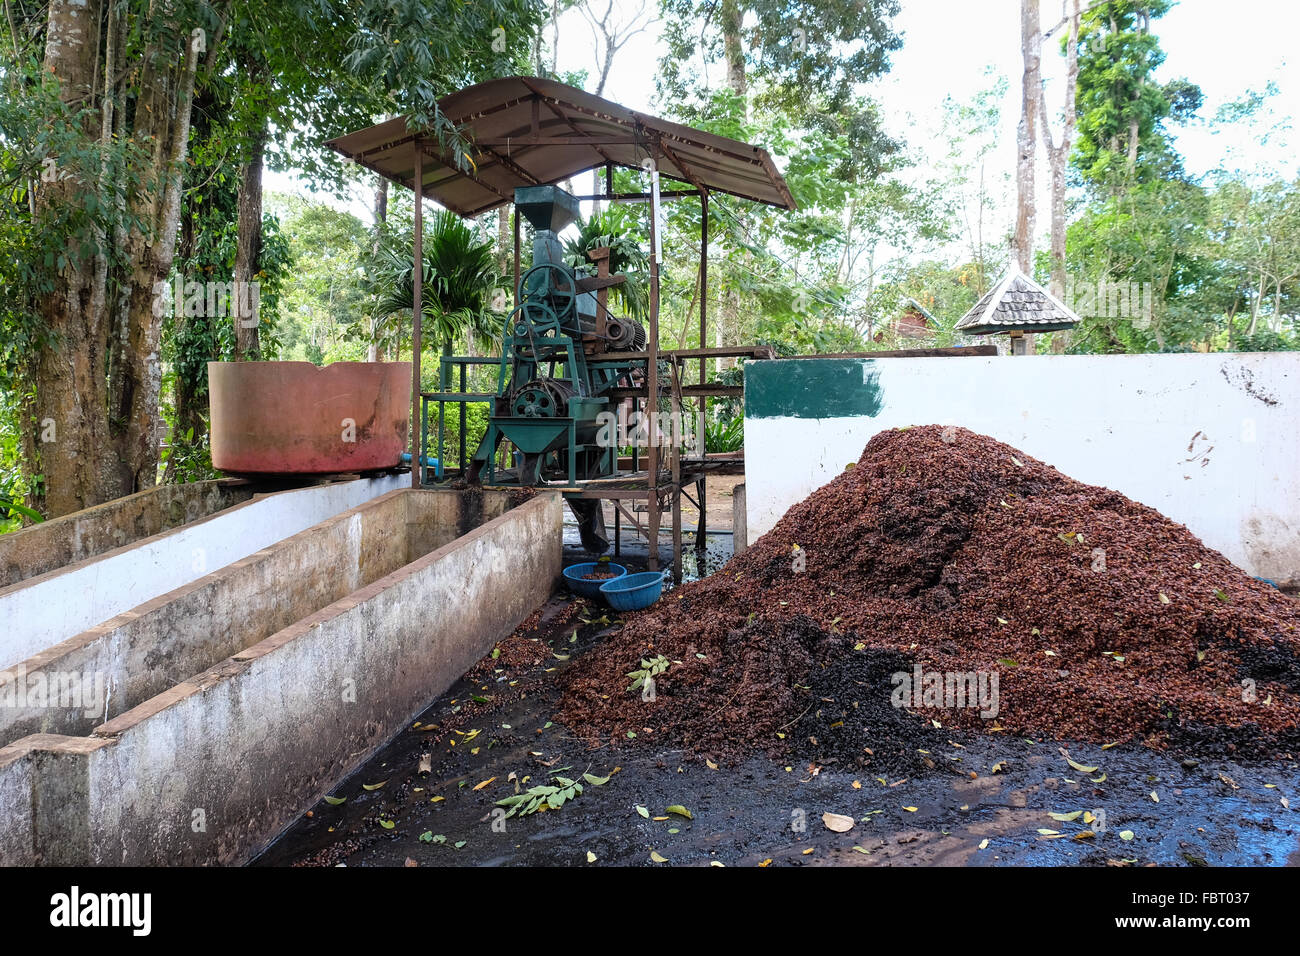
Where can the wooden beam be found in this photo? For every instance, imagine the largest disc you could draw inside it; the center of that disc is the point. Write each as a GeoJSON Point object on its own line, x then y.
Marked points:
{"type": "Point", "coordinates": [627, 197]}
{"type": "Point", "coordinates": [967, 351]}
{"type": "Point", "coordinates": [568, 122]}
{"type": "Point", "coordinates": [597, 283]}
{"type": "Point", "coordinates": [652, 386]}
{"type": "Point", "coordinates": [686, 170]}
{"type": "Point", "coordinates": [577, 140]}
{"type": "Point", "coordinates": [688, 391]}
{"type": "Point", "coordinates": [511, 165]}
{"type": "Point", "coordinates": [750, 351]}
{"type": "Point", "coordinates": [442, 158]}
{"type": "Point", "coordinates": [704, 280]}
{"type": "Point", "coordinates": [417, 307]}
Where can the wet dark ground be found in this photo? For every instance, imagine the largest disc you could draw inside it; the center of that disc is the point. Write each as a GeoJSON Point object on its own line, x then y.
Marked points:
{"type": "Point", "coordinates": [1146, 807]}
{"type": "Point", "coordinates": [633, 550]}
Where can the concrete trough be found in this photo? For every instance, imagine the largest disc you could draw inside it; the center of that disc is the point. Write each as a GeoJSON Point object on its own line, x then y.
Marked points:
{"type": "Point", "coordinates": [104, 578]}
{"type": "Point", "coordinates": [107, 669]}
{"type": "Point", "coordinates": [398, 598]}
{"type": "Point", "coordinates": [91, 532]}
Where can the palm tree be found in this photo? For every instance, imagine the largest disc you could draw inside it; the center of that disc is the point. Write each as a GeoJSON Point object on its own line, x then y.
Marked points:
{"type": "Point", "coordinates": [615, 228]}
{"type": "Point", "coordinates": [458, 280]}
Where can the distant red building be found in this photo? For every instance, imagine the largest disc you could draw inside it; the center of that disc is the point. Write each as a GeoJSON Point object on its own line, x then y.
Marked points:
{"type": "Point", "coordinates": [914, 323]}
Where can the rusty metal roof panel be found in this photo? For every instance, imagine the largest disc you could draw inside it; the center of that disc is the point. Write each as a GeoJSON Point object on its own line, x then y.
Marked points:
{"type": "Point", "coordinates": [530, 131]}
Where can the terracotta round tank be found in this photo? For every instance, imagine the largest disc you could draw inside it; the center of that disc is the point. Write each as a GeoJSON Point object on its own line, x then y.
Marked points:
{"type": "Point", "coordinates": [295, 418]}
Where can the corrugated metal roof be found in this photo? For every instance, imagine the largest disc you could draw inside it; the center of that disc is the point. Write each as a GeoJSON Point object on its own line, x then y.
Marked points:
{"type": "Point", "coordinates": [1017, 303]}
{"type": "Point", "coordinates": [530, 131]}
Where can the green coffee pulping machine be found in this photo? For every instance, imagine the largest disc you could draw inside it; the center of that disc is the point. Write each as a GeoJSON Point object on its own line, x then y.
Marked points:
{"type": "Point", "coordinates": [564, 359]}
{"type": "Point", "coordinates": [553, 381]}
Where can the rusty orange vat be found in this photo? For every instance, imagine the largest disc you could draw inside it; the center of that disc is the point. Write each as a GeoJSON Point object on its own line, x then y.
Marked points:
{"type": "Point", "coordinates": [295, 418]}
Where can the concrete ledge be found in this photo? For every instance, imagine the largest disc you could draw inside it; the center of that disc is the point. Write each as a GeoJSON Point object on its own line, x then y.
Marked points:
{"type": "Point", "coordinates": [17, 833]}
{"type": "Point", "coordinates": [739, 525]}
{"type": "Point", "coordinates": [58, 604]}
{"type": "Point", "coordinates": [213, 768]}
{"type": "Point", "coordinates": [44, 794]}
{"type": "Point", "coordinates": [92, 531]}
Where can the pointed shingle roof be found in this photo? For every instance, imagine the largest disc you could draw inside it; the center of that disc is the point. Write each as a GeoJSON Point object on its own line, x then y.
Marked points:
{"type": "Point", "coordinates": [1017, 304]}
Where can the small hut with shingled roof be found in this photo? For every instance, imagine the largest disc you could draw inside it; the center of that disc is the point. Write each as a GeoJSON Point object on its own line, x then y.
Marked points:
{"type": "Point", "coordinates": [1015, 306]}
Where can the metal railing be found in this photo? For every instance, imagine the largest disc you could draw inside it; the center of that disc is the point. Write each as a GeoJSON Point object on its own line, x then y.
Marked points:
{"type": "Point", "coordinates": [444, 397]}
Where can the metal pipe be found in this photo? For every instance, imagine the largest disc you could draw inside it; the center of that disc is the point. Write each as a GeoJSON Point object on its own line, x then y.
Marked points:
{"type": "Point", "coordinates": [462, 421]}
{"type": "Point", "coordinates": [425, 462]}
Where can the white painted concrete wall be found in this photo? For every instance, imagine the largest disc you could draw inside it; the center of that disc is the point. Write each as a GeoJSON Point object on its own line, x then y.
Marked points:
{"type": "Point", "coordinates": [230, 739]}
{"type": "Point", "coordinates": [44, 610]}
{"type": "Point", "coordinates": [1212, 441]}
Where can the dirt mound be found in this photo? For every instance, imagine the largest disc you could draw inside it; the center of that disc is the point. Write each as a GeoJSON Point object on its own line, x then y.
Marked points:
{"type": "Point", "coordinates": [1014, 598]}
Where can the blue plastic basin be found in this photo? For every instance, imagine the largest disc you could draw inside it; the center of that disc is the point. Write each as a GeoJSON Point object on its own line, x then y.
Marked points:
{"type": "Point", "coordinates": [591, 588]}
{"type": "Point", "coordinates": [632, 592]}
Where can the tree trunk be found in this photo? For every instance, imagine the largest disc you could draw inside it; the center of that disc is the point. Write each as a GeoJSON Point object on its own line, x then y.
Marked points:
{"type": "Point", "coordinates": [1031, 43]}
{"type": "Point", "coordinates": [186, 396]}
{"type": "Point", "coordinates": [1254, 307]}
{"type": "Point", "coordinates": [1059, 157]}
{"type": "Point", "coordinates": [610, 50]}
{"type": "Point", "coordinates": [1132, 147]}
{"type": "Point", "coordinates": [248, 251]}
{"type": "Point", "coordinates": [97, 388]}
{"type": "Point", "coordinates": [70, 417]}
{"type": "Point", "coordinates": [555, 35]}
{"type": "Point", "coordinates": [1134, 129]}
{"type": "Point", "coordinates": [734, 46]}
{"type": "Point", "coordinates": [162, 120]}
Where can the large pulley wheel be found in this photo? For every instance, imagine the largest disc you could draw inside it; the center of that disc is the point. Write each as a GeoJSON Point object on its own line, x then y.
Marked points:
{"type": "Point", "coordinates": [540, 398]}
{"type": "Point", "coordinates": [553, 283]}
{"type": "Point", "coordinates": [533, 318]}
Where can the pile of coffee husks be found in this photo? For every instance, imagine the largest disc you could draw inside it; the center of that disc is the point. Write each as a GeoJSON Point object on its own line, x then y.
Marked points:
{"type": "Point", "coordinates": [1103, 620]}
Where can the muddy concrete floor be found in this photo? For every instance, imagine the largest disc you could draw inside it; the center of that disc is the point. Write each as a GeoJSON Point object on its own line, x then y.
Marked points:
{"type": "Point", "coordinates": [429, 797]}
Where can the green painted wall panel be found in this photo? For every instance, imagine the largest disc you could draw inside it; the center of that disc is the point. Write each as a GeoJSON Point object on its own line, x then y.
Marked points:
{"type": "Point", "coordinates": [813, 388]}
